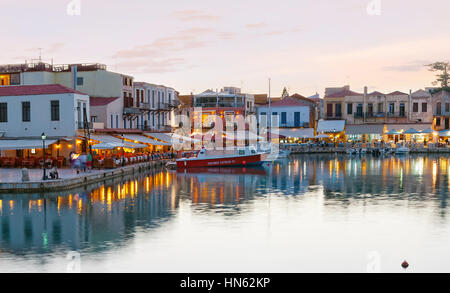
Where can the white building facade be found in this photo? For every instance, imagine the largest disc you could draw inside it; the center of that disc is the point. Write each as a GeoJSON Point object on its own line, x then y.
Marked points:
{"type": "Point", "coordinates": [29, 111]}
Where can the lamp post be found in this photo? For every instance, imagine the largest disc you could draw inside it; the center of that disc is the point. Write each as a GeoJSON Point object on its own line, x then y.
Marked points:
{"type": "Point", "coordinates": [123, 152]}
{"type": "Point", "coordinates": [43, 136]}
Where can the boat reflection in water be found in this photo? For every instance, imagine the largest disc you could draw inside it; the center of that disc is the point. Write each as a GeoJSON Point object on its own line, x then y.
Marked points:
{"type": "Point", "coordinates": [288, 201]}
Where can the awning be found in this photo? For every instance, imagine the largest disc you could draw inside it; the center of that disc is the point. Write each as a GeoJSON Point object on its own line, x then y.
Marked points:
{"type": "Point", "coordinates": [411, 131]}
{"type": "Point", "coordinates": [331, 126]}
{"type": "Point", "coordinates": [161, 136]}
{"type": "Point", "coordinates": [322, 136]}
{"type": "Point", "coordinates": [108, 138]}
{"type": "Point", "coordinates": [143, 139]}
{"type": "Point", "coordinates": [444, 133]}
{"type": "Point", "coordinates": [298, 132]}
{"type": "Point", "coordinates": [393, 132]}
{"type": "Point", "coordinates": [365, 129]}
{"type": "Point", "coordinates": [427, 131]}
{"type": "Point", "coordinates": [109, 146]}
{"type": "Point", "coordinates": [177, 138]}
{"type": "Point", "coordinates": [404, 127]}
{"type": "Point", "coordinates": [242, 135]}
{"type": "Point", "coordinates": [24, 144]}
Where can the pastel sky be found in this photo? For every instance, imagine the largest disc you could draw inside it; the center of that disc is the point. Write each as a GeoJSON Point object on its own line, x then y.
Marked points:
{"type": "Point", "coordinates": [193, 45]}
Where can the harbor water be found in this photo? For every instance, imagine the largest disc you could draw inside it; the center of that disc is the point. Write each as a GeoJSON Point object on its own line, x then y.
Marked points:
{"type": "Point", "coordinates": [307, 213]}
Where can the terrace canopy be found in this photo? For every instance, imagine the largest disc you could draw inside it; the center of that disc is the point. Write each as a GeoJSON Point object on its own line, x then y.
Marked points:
{"type": "Point", "coordinates": [109, 146]}
{"type": "Point", "coordinates": [111, 139]}
{"type": "Point", "coordinates": [330, 126]}
{"type": "Point", "coordinates": [444, 133]}
{"type": "Point", "coordinates": [166, 137]}
{"type": "Point", "coordinates": [24, 144]}
{"type": "Point", "coordinates": [411, 131]}
{"type": "Point", "coordinates": [427, 131]}
{"type": "Point", "coordinates": [364, 129]}
{"type": "Point", "coordinates": [393, 132]}
{"type": "Point", "coordinates": [298, 133]}
{"type": "Point", "coordinates": [143, 139]}
{"type": "Point", "coordinates": [322, 136]}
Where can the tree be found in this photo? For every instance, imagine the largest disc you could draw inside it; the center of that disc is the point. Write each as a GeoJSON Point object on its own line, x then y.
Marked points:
{"type": "Point", "coordinates": [443, 76]}
{"type": "Point", "coordinates": [285, 93]}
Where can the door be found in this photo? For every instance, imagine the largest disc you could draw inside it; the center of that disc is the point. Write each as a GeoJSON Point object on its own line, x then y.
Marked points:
{"type": "Point", "coordinates": [297, 119]}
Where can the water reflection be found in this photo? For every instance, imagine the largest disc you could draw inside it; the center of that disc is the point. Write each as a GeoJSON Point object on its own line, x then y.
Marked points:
{"type": "Point", "coordinates": [111, 214]}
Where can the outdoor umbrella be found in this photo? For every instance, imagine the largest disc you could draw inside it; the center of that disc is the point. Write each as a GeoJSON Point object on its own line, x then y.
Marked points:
{"type": "Point", "coordinates": [444, 133]}
{"type": "Point", "coordinates": [393, 132]}
{"type": "Point", "coordinates": [427, 131]}
{"type": "Point", "coordinates": [411, 131]}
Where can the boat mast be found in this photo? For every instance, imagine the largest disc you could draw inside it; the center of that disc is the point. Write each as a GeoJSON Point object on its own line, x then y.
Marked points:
{"type": "Point", "coordinates": [270, 116]}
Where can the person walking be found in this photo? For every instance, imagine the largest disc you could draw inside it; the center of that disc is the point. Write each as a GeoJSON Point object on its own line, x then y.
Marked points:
{"type": "Point", "coordinates": [83, 161]}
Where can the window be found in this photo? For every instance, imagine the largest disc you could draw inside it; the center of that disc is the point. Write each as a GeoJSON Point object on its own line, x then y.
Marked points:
{"type": "Point", "coordinates": [80, 80]}
{"type": "Point", "coordinates": [54, 110]}
{"type": "Point", "coordinates": [438, 108]}
{"type": "Point", "coordinates": [283, 118]}
{"type": "Point", "coordinates": [391, 108]}
{"type": "Point", "coordinates": [380, 107]}
{"type": "Point", "coordinates": [3, 112]}
{"type": "Point", "coordinates": [447, 123]}
{"type": "Point", "coordinates": [359, 110]}
{"type": "Point", "coordinates": [370, 108]}
{"type": "Point", "coordinates": [117, 121]}
{"type": "Point", "coordinates": [349, 108]}
{"type": "Point", "coordinates": [415, 107]}
{"type": "Point", "coordinates": [93, 119]}
{"type": "Point", "coordinates": [447, 107]}
{"type": "Point", "coordinates": [112, 121]}
{"type": "Point", "coordinates": [424, 107]}
{"type": "Point", "coordinates": [338, 110]}
{"type": "Point", "coordinates": [438, 121]}
{"type": "Point", "coordinates": [402, 109]}
{"type": "Point", "coordinates": [26, 112]}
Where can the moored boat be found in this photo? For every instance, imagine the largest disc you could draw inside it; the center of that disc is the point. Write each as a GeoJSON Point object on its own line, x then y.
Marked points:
{"type": "Point", "coordinates": [402, 150]}
{"type": "Point", "coordinates": [245, 156]}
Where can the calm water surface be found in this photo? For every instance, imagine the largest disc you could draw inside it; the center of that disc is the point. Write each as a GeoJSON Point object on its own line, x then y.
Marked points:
{"type": "Point", "coordinates": [311, 213]}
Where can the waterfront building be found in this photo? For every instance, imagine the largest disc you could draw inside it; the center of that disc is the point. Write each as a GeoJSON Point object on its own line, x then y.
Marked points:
{"type": "Point", "coordinates": [155, 106]}
{"type": "Point", "coordinates": [441, 110]}
{"type": "Point", "coordinates": [368, 116]}
{"type": "Point", "coordinates": [226, 104]}
{"type": "Point", "coordinates": [93, 79]}
{"type": "Point", "coordinates": [28, 111]}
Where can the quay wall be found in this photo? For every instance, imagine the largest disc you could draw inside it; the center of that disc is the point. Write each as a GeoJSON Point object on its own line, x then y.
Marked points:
{"type": "Point", "coordinates": [83, 180]}
{"type": "Point", "coordinates": [318, 150]}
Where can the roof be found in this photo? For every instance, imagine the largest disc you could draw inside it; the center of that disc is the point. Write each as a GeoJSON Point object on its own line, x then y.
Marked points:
{"type": "Point", "coordinates": [287, 101]}
{"type": "Point", "coordinates": [34, 90]}
{"type": "Point", "coordinates": [376, 93]}
{"type": "Point", "coordinates": [330, 126]}
{"type": "Point", "coordinates": [98, 101]}
{"type": "Point", "coordinates": [420, 94]}
{"type": "Point", "coordinates": [397, 93]}
{"type": "Point", "coordinates": [260, 99]}
{"type": "Point", "coordinates": [343, 93]}
{"type": "Point", "coordinates": [186, 99]}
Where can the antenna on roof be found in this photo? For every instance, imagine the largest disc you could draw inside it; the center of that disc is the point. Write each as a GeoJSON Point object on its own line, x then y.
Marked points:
{"type": "Point", "coordinates": [40, 54]}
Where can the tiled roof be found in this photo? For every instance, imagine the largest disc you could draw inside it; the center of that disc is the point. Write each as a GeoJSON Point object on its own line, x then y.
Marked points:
{"type": "Point", "coordinates": [186, 99]}
{"type": "Point", "coordinates": [260, 99]}
{"type": "Point", "coordinates": [34, 90]}
{"type": "Point", "coordinates": [343, 93]}
{"type": "Point", "coordinates": [98, 101]}
{"type": "Point", "coordinates": [396, 93]}
{"type": "Point", "coordinates": [375, 93]}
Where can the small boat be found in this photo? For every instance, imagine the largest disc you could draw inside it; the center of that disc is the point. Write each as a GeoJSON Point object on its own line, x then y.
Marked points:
{"type": "Point", "coordinates": [402, 150]}
{"type": "Point", "coordinates": [245, 156]}
{"type": "Point", "coordinates": [172, 165]}
{"type": "Point", "coordinates": [351, 151]}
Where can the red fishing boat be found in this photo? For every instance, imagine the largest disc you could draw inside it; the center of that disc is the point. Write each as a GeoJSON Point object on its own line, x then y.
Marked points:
{"type": "Point", "coordinates": [246, 156]}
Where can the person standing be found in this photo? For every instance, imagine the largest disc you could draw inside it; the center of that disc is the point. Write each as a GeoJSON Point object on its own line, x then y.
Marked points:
{"type": "Point", "coordinates": [83, 161]}
{"type": "Point", "coordinates": [89, 162]}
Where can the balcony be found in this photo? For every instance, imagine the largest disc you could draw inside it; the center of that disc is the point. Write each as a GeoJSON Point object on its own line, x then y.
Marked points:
{"type": "Point", "coordinates": [131, 111]}
{"type": "Point", "coordinates": [334, 116]}
{"type": "Point", "coordinates": [360, 115]}
{"type": "Point", "coordinates": [396, 114]}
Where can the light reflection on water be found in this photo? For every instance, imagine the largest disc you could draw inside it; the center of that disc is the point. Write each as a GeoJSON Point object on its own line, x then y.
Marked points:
{"type": "Point", "coordinates": [310, 213]}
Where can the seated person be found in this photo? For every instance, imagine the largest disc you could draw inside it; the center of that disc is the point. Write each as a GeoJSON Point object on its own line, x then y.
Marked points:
{"type": "Point", "coordinates": [54, 173]}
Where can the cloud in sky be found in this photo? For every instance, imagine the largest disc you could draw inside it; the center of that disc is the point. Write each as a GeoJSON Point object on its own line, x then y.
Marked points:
{"type": "Point", "coordinates": [256, 25]}
{"type": "Point", "coordinates": [194, 15]}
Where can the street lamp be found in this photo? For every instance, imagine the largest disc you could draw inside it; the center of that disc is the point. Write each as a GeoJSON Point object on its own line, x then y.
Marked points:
{"type": "Point", "coordinates": [43, 136]}
{"type": "Point", "coordinates": [123, 152]}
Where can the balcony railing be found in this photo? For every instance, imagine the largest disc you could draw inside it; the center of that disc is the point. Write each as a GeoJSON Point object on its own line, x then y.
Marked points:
{"type": "Point", "coordinates": [396, 114]}
{"type": "Point", "coordinates": [334, 116]}
{"type": "Point", "coordinates": [369, 115]}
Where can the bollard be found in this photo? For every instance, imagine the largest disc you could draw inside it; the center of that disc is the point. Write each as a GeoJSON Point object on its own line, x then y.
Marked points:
{"type": "Point", "coordinates": [25, 175]}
